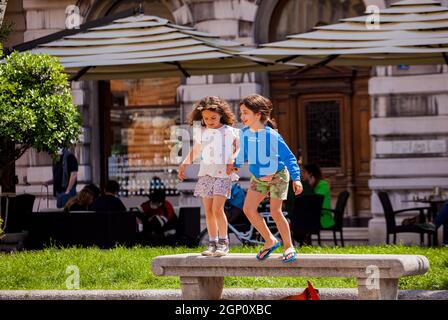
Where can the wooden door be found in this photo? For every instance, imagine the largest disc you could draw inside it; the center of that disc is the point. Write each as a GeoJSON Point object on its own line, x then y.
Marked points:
{"type": "Point", "coordinates": [361, 146]}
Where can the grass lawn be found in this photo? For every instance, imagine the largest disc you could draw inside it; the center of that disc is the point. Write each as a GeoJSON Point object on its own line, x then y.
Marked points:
{"type": "Point", "coordinates": [129, 268]}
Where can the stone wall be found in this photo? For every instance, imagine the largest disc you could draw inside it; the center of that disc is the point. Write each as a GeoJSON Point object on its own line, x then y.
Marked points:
{"type": "Point", "coordinates": [410, 139]}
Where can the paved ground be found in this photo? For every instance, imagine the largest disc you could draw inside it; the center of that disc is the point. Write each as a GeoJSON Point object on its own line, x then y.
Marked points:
{"type": "Point", "coordinates": [229, 294]}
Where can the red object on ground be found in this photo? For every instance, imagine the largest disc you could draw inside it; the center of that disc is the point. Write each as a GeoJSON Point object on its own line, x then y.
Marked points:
{"type": "Point", "coordinates": [308, 294]}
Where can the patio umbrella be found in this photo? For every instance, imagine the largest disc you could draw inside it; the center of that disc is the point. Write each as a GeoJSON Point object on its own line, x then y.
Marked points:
{"type": "Point", "coordinates": [409, 32]}
{"type": "Point", "coordinates": [142, 46]}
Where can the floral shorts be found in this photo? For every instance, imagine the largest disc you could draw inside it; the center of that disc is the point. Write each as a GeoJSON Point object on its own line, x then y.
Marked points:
{"type": "Point", "coordinates": [277, 188]}
{"type": "Point", "coordinates": [207, 187]}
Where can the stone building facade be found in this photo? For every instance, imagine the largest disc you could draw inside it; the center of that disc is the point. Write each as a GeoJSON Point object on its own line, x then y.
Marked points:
{"type": "Point", "coordinates": [406, 115]}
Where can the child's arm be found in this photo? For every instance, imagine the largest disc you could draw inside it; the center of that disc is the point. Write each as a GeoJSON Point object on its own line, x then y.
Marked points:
{"type": "Point", "coordinates": [291, 163]}
{"type": "Point", "coordinates": [189, 159]}
{"type": "Point", "coordinates": [241, 155]}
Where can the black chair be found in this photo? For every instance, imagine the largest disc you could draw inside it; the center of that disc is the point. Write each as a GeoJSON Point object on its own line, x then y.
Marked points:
{"type": "Point", "coordinates": [188, 226]}
{"type": "Point", "coordinates": [393, 228]}
{"type": "Point", "coordinates": [305, 220]}
{"type": "Point", "coordinates": [338, 214]}
{"type": "Point", "coordinates": [16, 210]}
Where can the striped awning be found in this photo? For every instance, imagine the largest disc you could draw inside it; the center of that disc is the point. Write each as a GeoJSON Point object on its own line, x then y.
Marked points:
{"type": "Point", "coordinates": [142, 46]}
{"type": "Point", "coordinates": [410, 32]}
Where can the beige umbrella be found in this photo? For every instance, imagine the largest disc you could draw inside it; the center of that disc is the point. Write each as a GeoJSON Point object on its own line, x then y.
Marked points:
{"type": "Point", "coordinates": [141, 46]}
{"type": "Point", "coordinates": [409, 32]}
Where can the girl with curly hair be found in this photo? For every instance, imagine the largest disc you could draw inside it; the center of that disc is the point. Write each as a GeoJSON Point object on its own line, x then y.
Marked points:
{"type": "Point", "coordinates": [217, 143]}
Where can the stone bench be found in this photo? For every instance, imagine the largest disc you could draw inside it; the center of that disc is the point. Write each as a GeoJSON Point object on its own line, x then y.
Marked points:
{"type": "Point", "coordinates": [377, 274]}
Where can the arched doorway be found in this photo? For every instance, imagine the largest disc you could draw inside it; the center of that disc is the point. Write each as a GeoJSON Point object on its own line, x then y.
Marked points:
{"type": "Point", "coordinates": [322, 113]}
{"type": "Point", "coordinates": [137, 117]}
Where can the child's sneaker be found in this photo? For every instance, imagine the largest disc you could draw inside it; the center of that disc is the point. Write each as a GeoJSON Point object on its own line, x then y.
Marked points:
{"type": "Point", "coordinates": [210, 251]}
{"type": "Point", "coordinates": [222, 248]}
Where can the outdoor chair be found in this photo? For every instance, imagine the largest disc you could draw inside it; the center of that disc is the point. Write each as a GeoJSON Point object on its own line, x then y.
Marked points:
{"type": "Point", "coordinates": [16, 210]}
{"type": "Point", "coordinates": [305, 220]}
{"type": "Point", "coordinates": [338, 214]}
{"type": "Point", "coordinates": [393, 228]}
{"type": "Point", "coordinates": [188, 226]}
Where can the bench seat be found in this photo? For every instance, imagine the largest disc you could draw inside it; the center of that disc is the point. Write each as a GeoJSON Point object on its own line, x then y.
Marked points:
{"type": "Point", "coordinates": [377, 274]}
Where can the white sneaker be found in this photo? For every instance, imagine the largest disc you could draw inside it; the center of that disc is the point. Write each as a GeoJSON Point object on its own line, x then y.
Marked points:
{"type": "Point", "coordinates": [210, 251]}
{"type": "Point", "coordinates": [222, 248]}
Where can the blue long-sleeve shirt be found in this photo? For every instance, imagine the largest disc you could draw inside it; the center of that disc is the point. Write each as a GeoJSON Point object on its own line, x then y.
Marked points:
{"type": "Point", "coordinates": [266, 152]}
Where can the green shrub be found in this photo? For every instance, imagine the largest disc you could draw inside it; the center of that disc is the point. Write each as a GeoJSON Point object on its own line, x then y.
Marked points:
{"type": "Point", "coordinates": [36, 106]}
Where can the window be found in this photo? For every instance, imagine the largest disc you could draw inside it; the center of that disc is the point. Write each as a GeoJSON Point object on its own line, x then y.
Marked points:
{"type": "Point", "coordinates": [143, 118]}
{"type": "Point", "coordinates": [323, 133]}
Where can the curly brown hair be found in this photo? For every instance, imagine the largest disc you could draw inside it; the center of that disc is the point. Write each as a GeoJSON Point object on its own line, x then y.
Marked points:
{"type": "Point", "coordinates": [214, 104]}
{"type": "Point", "coordinates": [262, 105]}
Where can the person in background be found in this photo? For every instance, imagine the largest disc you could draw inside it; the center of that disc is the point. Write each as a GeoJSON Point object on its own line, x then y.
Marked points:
{"type": "Point", "coordinates": [156, 219]}
{"type": "Point", "coordinates": [307, 189]}
{"type": "Point", "coordinates": [94, 188]}
{"type": "Point", "coordinates": [81, 202]}
{"type": "Point", "coordinates": [65, 176]}
{"type": "Point", "coordinates": [440, 219]}
{"type": "Point", "coordinates": [313, 174]}
{"type": "Point", "coordinates": [109, 200]}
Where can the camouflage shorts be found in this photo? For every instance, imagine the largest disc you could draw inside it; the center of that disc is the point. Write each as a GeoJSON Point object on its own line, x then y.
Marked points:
{"type": "Point", "coordinates": [277, 188]}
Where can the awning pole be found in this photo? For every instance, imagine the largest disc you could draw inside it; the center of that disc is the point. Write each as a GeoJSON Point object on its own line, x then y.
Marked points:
{"type": "Point", "coordinates": [177, 64]}
{"type": "Point", "coordinates": [80, 73]}
{"type": "Point", "coordinates": [445, 57]}
{"type": "Point", "coordinates": [286, 59]}
{"type": "Point", "coordinates": [317, 65]}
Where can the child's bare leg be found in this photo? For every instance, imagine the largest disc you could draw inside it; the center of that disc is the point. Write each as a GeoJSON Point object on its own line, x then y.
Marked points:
{"type": "Point", "coordinates": [220, 216]}
{"type": "Point", "coordinates": [251, 203]}
{"type": "Point", "coordinates": [281, 222]}
{"type": "Point", "coordinates": [212, 225]}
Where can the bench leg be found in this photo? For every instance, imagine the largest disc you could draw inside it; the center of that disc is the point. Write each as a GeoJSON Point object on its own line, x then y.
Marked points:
{"type": "Point", "coordinates": [201, 288]}
{"type": "Point", "coordinates": [384, 289]}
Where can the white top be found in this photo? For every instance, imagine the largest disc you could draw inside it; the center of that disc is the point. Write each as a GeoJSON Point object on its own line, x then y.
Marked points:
{"type": "Point", "coordinates": [217, 145]}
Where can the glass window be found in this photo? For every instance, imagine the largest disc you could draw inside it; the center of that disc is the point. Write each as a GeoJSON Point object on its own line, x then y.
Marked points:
{"type": "Point", "coordinates": [143, 115]}
{"type": "Point", "coordinates": [323, 133]}
{"type": "Point", "coordinates": [143, 118]}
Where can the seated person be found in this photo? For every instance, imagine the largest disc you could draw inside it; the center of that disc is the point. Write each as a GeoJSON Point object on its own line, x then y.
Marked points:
{"type": "Point", "coordinates": [94, 188]}
{"type": "Point", "coordinates": [307, 189]}
{"type": "Point", "coordinates": [109, 200]}
{"type": "Point", "coordinates": [440, 219]}
{"type": "Point", "coordinates": [157, 218]}
{"type": "Point", "coordinates": [313, 174]}
{"type": "Point", "coordinates": [81, 202]}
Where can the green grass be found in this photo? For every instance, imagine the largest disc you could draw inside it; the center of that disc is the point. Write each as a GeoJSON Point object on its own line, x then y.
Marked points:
{"type": "Point", "coordinates": [129, 268]}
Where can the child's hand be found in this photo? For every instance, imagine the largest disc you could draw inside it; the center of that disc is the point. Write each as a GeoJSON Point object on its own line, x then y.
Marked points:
{"type": "Point", "coordinates": [267, 178]}
{"type": "Point", "coordinates": [181, 174]}
{"type": "Point", "coordinates": [230, 168]}
{"type": "Point", "coordinates": [297, 187]}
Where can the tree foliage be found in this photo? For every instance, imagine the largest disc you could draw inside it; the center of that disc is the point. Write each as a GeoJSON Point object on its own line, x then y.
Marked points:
{"type": "Point", "coordinates": [36, 106]}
